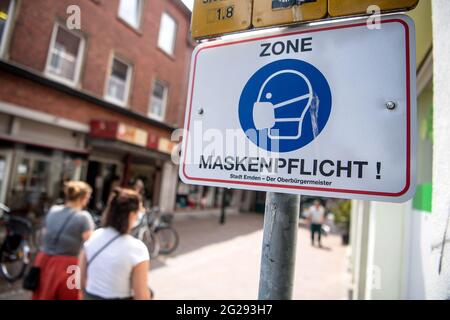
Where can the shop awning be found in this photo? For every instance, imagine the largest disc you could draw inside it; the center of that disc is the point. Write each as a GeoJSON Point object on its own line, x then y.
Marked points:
{"type": "Point", "coordinates": [11, 139]}
{"type": "Point", "coordinates": [123, 148]}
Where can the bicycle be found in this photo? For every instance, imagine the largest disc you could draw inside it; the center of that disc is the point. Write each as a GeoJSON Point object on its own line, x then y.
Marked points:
{"type": "Point", "coordinates": [144, 231]}
{"type": "Point", "coordinates": [167, 235]}
{"type": "Point", "coordinates": [15, 250]}
{"type": "Point", "coordinates": [156, 232]}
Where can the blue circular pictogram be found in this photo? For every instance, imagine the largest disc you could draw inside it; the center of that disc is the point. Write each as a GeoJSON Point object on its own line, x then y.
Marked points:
{"type": "Point", "coordinates": [285, 105]}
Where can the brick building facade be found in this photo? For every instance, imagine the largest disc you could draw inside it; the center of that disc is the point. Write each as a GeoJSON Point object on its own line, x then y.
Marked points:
{"type": "Point", "coordinates": [96, 103]}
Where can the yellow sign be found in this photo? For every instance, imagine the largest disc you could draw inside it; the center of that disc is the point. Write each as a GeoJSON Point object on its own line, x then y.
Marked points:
{"type": "Point", "coordinates": [132, 135]}
{"type": "Point", "coordinates": [338, 8]}
{"type": "Point", "coordinates": [264, 15]}
{"type": "Point", "coordinates": [216, 17]}
{"type": "Point", "coordinates": [165, 145]}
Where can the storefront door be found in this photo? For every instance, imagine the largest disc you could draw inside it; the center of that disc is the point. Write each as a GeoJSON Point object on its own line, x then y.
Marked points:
{"type": "Point", "coordinates": [103, 175]}
{"type": "Point", "coordinates": [31, 185]}
{"type": "Point", "coordinates": [151, 178]}
{"type": "Point", "coordinates": [5, 168]}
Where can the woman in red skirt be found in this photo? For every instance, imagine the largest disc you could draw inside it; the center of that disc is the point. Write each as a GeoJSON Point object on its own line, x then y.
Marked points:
{"type": "Point", "coordinates": [66, 229]}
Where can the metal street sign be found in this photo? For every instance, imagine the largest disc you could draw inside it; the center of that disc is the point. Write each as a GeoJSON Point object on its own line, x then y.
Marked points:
{"type": "Point", "coordinates": [212, 17]}
{"type": "Point", "coordinates": [279, 12]}
{"type": "Point", "coordinates": [338, 8]}
{"type": "Point", "coordinates": [326, 110]}
{"type": "Point", "coordinates": [283, 4]}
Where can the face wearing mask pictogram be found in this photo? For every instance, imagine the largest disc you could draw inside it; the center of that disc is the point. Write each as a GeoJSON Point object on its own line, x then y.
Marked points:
{"type": "Point", "coordinates": [284, 119]}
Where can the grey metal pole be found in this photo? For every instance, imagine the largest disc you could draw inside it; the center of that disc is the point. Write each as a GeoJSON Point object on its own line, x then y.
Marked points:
{"type": "Point", "coordinates": [279, 246]}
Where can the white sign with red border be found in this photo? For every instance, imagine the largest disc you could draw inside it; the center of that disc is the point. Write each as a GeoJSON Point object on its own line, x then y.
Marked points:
{"type": "Point", "coordinates": [324, 110]}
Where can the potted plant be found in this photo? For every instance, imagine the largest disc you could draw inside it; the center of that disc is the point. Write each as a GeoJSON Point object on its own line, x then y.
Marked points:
{"type": "Point", "coordinates": [342, 219]}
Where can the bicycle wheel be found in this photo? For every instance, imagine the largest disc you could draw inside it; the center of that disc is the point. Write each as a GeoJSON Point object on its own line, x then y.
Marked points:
{"type": "Point", "coordinates": [152, 243]}
{"type": "Point", "coordinates": [168, 239]}
{"type": "Point", "coordinates": [14, 261]}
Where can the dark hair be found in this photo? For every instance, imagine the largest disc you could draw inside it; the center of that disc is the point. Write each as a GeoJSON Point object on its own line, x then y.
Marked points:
{"type": "Point", "coordinates": [121, 203]}
{"type": "Point", "coordinates": [75, 190]}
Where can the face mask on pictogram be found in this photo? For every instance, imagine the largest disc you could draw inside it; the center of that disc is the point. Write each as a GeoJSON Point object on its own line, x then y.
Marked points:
{"type": "Point", "coordinates": [264, 112]}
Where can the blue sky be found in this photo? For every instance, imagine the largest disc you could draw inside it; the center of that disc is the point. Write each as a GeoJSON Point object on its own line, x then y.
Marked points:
{"type": "Point", "coordinates": [189, 3]}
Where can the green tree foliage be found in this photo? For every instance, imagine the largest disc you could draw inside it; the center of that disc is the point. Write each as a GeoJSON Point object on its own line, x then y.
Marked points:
{"type": "Point", "coordinates": [342, 212]}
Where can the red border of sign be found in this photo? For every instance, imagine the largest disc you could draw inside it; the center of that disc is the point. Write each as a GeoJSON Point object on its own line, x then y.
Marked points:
{"type": "Point", "coordinates": [408, 112]}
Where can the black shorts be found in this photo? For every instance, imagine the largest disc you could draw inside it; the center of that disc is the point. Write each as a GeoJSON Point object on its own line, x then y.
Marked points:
{"type": "Point", "coordinates": [316, 227]}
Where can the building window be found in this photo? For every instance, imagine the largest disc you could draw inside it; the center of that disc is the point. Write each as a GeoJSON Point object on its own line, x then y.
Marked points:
{"type": "Point", "coordinates": [37, 180]}
{"type": "Point", "coordinates": [167, 34]}
{"type": "Point", "coordinates": [158, 101]}
{"type": "Point", "coordinates": [6, 12]}
{"type": "Point", "coordinates": [65, 55]}
{"type": "Point", "coordinates": [31, 184]}
{"type": "Point", "coordinates": [118, 85]}
{"type": "Point", "coordinates": [130, 11]}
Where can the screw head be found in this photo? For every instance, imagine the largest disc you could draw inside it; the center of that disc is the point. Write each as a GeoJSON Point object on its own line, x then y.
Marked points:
{"type": "Point", "coordinates": [391, 105]}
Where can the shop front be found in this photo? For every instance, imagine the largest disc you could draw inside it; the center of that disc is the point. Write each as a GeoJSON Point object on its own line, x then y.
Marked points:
{"type": "Point", "coordinates": [197, 197]}
{"type": "Point", "coordinates": [120, 154]}
{"type": "Point", "coordinates": [38, 176]}
{"type": "Point", "coordinates": [36, 158]}
{"type": "Point", "coordinates": [193, 198]}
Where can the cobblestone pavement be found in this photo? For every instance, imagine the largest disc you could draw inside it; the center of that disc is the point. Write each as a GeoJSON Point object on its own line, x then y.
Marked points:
{"type": "Point", "coordinates": [222, 262]}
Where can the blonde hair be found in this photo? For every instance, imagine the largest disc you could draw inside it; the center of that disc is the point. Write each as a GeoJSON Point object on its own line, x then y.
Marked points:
{"type": "Point", "coordinates": [76, 190]}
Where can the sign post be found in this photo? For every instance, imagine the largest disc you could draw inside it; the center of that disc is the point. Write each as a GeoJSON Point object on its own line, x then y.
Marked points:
{"type": "Point", "coordinates": [279, 113]}
{"type": "Point", "coordinates": [279, 246]}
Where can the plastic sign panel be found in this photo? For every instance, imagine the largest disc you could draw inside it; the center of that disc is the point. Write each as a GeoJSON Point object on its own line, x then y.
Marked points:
{"type": "Point", "coordinates": [338, 8]}
{"type": "Point", "coordinates": [279, 12]}
{"type": "Point", "coordinates": [213, 17]}
{"type": "Point", "coordinates": [326, 110]}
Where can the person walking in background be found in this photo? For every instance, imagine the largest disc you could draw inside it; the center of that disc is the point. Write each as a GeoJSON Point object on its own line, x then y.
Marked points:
{"type": "Point", "coordinates": [113, 264]}
{"type": "Point", "coordinates": [316, 217]}
{"type": "Point", "coordinates": [66, 227]}
{"type": "Point", "coordinates": [138, 185]}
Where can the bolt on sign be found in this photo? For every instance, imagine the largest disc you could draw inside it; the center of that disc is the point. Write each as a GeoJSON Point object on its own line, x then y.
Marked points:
{"type": "Point", "coordinates": [277, 112]}
{"type": "Point", "coordinates": [339, 8]}
{"type": "Point", "coordinates": [216, 17]}
{"type": "Point", "coordinates": [279, 12]}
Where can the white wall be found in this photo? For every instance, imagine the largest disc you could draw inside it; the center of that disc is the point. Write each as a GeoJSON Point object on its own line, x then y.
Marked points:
{"type": "Point", "coordinates": [169, 183]}
{"type": "Point", "coordinates": [419, 266]}
{"type": "Point", "coordinates": [359, 240]}
{"type": "Point", "coordinates": [408, 247]}
{"type": "Point", "coordinates": [439, 285]}
{"type": "Point", "coordinates": [387, 250]}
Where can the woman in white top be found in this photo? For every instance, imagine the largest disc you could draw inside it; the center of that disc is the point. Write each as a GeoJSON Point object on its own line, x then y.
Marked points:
{"type": "Point", "coordinates": [113, 264]}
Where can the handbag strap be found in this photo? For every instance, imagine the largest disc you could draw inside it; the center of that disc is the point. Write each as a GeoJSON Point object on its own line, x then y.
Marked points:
{"type": "Point", "coordinates": [103, 248]}
{"type": "Point", "coordinates": [64, 225]}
